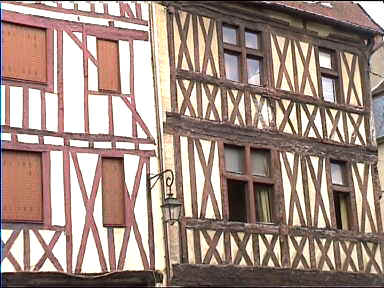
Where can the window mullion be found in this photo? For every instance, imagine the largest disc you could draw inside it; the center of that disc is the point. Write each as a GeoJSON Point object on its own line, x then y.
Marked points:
{"type": "Point", "coordinates": [243, 57]}
{"type": "Point", "coordinates": [250, 193]}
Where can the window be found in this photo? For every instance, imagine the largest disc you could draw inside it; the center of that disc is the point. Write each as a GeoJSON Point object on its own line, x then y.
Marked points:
{"type": "Point", "coordinates": [242, 55]}
{"type": "Point", "coordinates": [24, 53]}
{"type": "Point", "coordinates": [341, 195]}
{"type": "Point", "coordinates": [250, 187]}
{"type": "Point", "coordinates": [109, 65]}
{"type": "Point", "coordinates": [378, 114]}
{"type": "Point", "coordinates": [113, 192]}
{"type": "Point", "coordinates": [329, 76]}
{"type": "Point", "coordinates": [22, 187]}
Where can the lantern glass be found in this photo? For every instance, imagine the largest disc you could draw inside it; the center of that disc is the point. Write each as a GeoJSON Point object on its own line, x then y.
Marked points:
{"type": "Point", "coordinates": [171, 209]}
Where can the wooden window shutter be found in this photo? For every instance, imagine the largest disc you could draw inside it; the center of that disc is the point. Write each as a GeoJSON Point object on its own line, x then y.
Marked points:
{"type": "Point", "coordinates": [22, 187]}
{"type": "Point", "coordinates": [113, 192]}
{"type": "Point", "coordinates": [24, 52]}
{"type": "Point", "coordinates": [109, 67]}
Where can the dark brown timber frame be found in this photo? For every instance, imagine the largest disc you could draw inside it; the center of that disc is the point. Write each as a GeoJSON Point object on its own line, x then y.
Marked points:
{"type": "Point", "coordinates": [241, 128]}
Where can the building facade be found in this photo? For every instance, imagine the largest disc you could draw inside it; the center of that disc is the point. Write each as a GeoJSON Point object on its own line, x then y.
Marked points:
{"type": "Point", "coordinates": [377, 86]}
{"type": "Point", "coordinates": [78, 140]}
{"type": "Point", "coordinates": [265, 118]}
{"type": "Point", "coordinates": [262, 110]}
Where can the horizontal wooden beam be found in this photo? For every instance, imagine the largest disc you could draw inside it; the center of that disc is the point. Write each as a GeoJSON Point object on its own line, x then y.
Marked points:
{"type": "Point", "coordinates": [81, 13]}
{"type": "Point", "coordinates": [77, 136]}
{"type": "Point", "coordinates": [282, 229]}
{"type": "Point", "coordinates": [57, 279]}
{"type": "Point", "coordinates": [269, 92]}
{"type": "Point", "coordinates": [231, 275]}
{"type": "Point", "coordinates": [104, 32]}
{"type": "Point", "coordinates": [205, 129]}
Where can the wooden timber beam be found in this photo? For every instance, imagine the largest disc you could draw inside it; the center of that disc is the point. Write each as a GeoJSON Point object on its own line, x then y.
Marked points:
{"type": "Point", "coordinates": [231, 275]}
{"type": "Point", "coordinates": [187, 126]}
{"type": "Point", "coordinates": [57, 279]}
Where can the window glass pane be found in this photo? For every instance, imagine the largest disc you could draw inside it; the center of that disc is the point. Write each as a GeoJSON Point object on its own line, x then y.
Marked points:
{"type": "Point", "coordinates": [263, 193]}
{"type": "Point", "coordinates": [260, 162]}
{"type": "Point", "coordinates": [230, 35]}
{"type": "Point", "coordinates": [234, 159]}
{"type": "Point", "coordinates": [325, 59]}
{"type": "Point", "coordinates": [338, 173]}
{"type": "Point", "coordinates": [236, 201]}
{"type": "Point", "coordinates": [341, 210]}
{"type": "Point", "coordinates": [231, 66]}
{"type": "Point", "coordinates": [344, 212]}
{"type": "Point", "coordinates": [329, 91]}
{"type": "Point", "coordinates": [253, 66]}
{"type": "Point", "coordinates": [252, 40]}
{"type": "Point", "coordinates": [378, 114]}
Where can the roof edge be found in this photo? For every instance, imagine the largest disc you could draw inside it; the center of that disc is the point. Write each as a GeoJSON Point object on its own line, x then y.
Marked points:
{"type": "Point", "coordinates": [346, 24]}
{"type": "Point", "coordinates": [370, 18]}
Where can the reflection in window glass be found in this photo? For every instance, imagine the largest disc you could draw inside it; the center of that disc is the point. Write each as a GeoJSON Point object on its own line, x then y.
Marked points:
{"type": "Point", "coordinates": [234, 159]}
{"type": "Point", "coordinates": [329, 89]}
{"type": "Point", "coordinates": [230, 35]}
{"type": "Point", "coordinates": [252, 40]}
{"type": "Point", "coordinates": [337, 171]}
{"type": "Point", "coordinates": [325, 59]}
{"type": "Point", "coordinates": [260, 162]}
{"type": "Point", "coordinates": [378, 114]}
{"type": "Point", "coordinates": [231, 66]}
{"type": "Point", "coordinates": [253, 66]}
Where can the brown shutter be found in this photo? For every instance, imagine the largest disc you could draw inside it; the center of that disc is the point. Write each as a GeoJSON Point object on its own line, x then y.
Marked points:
{"type": "Point", "coordinates": [109, 67]}
{"type": "Point", "coordinates": [113, 191]}
{"type": "Point", "coordinates": [24, 52]}
{"type": "Point", "coordinates": [22, 187]}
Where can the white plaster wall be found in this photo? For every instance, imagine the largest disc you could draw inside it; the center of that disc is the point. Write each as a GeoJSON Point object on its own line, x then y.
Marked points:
{"type": "Point", "coordinates": [16, 250]}
{"type": "Point", "coordinates": [122, 117]}
{"type": "Point", "coordinates": [73, 86]}
{"type": "Point", "coordinates": [144, 97]}
{"type": "Point", "coordinates": [2, 104]}
{"type": "Point", "coordinates": [124, 58]}
{"type": "Point", "coordinates": [34, 109]}
{"type": "Point", "coordinates": [26, 138]}
{"type": "Point", "coordinates": [16, 106]}
{"type": "Point", "coordinates": [51, 110]}
{"type": "Point", "coordinates": [57, 188]}
{"type": "Point", "coordinates": [98, 114]}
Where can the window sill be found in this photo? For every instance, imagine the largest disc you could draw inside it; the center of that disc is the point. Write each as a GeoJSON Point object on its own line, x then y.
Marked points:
{"type": "Point", "coordinates": [45, 86]}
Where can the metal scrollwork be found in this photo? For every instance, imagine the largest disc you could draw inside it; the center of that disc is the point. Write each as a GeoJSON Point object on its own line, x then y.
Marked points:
{"type": "Point", "coordinates": [168, 180]}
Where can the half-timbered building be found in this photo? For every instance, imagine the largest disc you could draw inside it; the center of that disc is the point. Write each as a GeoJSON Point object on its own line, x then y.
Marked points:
{"type": "Point", "coordinates": [78, 143]}
{"type": "Point", "coordinates": [265, 117]}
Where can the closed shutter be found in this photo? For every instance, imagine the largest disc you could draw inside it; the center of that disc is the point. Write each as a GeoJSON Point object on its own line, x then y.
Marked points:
{"type": "Point", "coordinates": [109, 68]}
{"type": "Point", "coordinates": [24, 52]}
{"type": "Point", "coordinates": [22, 187]}
{"type": "Point", "coordinates": [113, 191]}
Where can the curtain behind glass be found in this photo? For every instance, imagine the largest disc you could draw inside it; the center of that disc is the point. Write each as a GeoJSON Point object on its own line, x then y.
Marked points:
{"type": "Point", "coordinates": [344, 212]}
{"type": "Point", "coordinates": [260, 162]}
{"type": "Point", "coordinates": [234, 159]}
{"type": "Point", "coordinates": [263, 202]}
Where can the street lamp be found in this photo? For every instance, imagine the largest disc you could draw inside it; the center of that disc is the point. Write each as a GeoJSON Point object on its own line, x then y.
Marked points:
{"type": "Point", "coordinates": [171, 206]}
